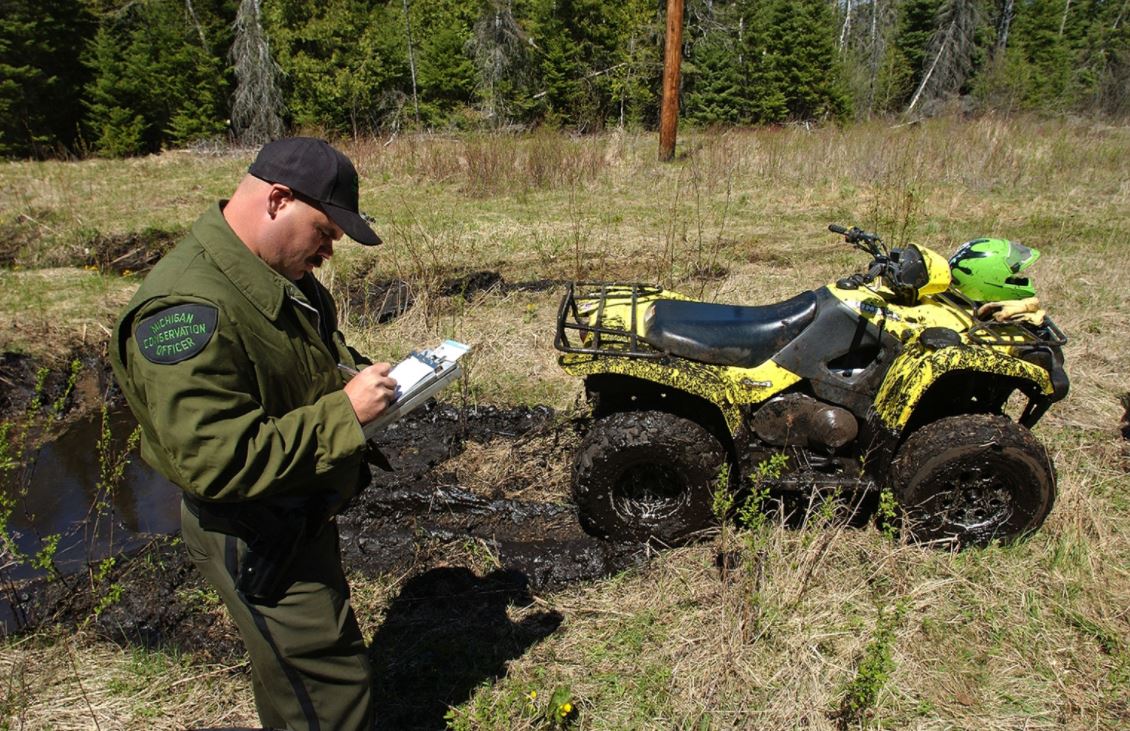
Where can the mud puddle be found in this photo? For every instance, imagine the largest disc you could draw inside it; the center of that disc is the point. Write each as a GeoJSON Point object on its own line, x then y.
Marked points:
{"type": "Point", "coordinates": [476, 496]}
{"type": "Point", "coordinates": [62, 490]}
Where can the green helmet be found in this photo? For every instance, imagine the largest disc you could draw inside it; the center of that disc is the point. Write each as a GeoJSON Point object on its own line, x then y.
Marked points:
{"type": "Point", "coordinates": [986, 270]}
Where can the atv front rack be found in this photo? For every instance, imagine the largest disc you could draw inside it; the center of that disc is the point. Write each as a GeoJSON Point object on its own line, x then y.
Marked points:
{"type": "Point", "coordinates": [582, 313]}
{"type": "Point", "coordinates": [987, 332]}
{"type": "Point", "coordinates": [991, 332]}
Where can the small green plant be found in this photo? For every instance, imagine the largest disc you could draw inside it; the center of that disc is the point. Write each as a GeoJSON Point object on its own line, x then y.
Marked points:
{"type": "Point", "coordinates": [44, 558]}
{"type": "Point", "coordinates": [752, 512]}
{"type": "Point", "coordinates": [112, 464]}
{"type": "Point", "coordinates": [100, 576]}
{"type": "Point", "coordinates": [873, 671]}
{"type": "Point", "coordinates": [39, 390]}
{"type": "Point", "coordinates": [514, 708]}
{"type": "Point", "coordinates": [560, 711]}
{"type": "Point", "coordinates": [887, 514]}
{"type": "Point", "coordinates": [8, 460]}
{"type": "Point", "coordinates": [723, 498]}
{"type": "Point", "coordinates": [722, 505]}
{"type": "Point", "coordinates": [72, 380]}
{"type": "Point", "coordinates": [14, 487]}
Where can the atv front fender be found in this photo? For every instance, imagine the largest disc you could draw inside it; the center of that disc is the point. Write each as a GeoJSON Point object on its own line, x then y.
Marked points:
{"type": "Point", "coordinates": [916, 369]}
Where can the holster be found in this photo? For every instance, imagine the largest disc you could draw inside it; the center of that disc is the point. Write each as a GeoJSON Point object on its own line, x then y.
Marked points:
{"type": "Point", "coordinates": [275, 535]}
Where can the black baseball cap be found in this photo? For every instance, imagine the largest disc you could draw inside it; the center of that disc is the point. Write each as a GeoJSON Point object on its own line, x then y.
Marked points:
{"type": "Point", "coordinates": [313, 169]}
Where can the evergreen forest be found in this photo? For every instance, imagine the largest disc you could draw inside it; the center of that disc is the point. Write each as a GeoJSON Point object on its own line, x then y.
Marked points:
{"type": "Point", "coordinates": [131, 77]}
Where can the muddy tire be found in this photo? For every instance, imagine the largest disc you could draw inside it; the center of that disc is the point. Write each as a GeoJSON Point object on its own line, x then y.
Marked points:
{"type": "Point", "coordinates": [646, 475]}
{"type": "Point", "coordinates": [968, 480]}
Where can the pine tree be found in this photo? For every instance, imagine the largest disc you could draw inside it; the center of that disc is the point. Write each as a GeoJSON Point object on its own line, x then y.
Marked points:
{"type": "Point", "coordinates": [344, 62]}
{"type": "Point", "coordinates": [153, 82]}
{"type": "Point", "coordinates": [40, 75]}
{"type": "Point", "coordinates": [866, 35]}
{"type": "Point", "coordinates": [905, 62]}
{"type": "Point", "coordinates": [815, 88]}
{"type": "Point", "coordinates": [1041, 56]}
{"type": "Point", "coordinates": [585, 46]}
{"type": "Point", "coordinates": [446, 71]}
{"type": "Point", "coordinates": [714, 83]}
{"type": "Point", "coordinates": [950, 54]}
{"type": "Point", "coordinates": [636, 77]}
{"type": "Point", "coordinates": [795, 70]}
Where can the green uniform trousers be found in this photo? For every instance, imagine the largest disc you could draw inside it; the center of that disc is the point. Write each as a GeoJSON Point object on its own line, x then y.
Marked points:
{"type": "Point", "coordinates": [309, 666]}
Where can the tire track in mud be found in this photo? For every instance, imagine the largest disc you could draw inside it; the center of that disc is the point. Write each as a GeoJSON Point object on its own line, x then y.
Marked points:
{"type": "Point", "coordinates": [419, 514]}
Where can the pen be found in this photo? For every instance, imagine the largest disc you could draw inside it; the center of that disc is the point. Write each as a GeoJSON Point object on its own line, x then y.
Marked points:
{"type": "Point", "coordinates": [351, 372]}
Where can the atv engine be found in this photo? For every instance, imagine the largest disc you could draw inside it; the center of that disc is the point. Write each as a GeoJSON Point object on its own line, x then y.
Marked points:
{"type": "Point", "coordinates": [797, 420]}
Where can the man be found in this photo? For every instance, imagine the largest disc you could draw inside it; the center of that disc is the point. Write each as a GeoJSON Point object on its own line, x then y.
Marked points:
{"type": "Point", "coordinates": [230, 358]}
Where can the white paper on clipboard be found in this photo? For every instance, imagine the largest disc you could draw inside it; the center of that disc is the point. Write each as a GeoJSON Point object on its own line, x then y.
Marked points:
{"type": "Point", "coordinates": [419, 377]}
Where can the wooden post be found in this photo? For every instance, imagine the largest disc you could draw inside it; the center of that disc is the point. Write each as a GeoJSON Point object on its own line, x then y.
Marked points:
{"type": "Point", "coordinates": [672, 59]}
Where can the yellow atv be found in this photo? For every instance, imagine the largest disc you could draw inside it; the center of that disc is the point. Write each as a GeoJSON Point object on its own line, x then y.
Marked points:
{"type": "Point", "coordinates": [900, 377]}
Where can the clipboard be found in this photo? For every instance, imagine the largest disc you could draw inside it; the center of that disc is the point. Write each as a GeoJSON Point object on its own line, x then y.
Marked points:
{"type": "Point", "coordinates": [418, 378]}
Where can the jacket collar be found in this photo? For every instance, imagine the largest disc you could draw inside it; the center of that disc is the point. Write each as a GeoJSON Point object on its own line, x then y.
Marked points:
{"type": "Point", "coordinates": [262, 286]}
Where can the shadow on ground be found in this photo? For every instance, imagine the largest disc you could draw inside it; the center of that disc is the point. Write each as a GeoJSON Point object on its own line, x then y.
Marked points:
{"type": "Point", "coordinates": [446, 633]}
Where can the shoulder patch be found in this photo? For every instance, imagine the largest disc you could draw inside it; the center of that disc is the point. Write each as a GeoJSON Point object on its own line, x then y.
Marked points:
{"type": "Point", "coordinates": [175, 333]}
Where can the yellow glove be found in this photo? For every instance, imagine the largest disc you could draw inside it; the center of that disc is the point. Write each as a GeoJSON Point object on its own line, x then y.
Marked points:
{"type": "Point", "coordinates": [1019, 311]}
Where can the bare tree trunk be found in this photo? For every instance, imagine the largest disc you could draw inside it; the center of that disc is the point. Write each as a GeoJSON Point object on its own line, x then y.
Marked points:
{"type": "Point", "coordinates": [196, 22]}
{"type": "Point", "coordinates": [846, 29]}
{"type": "Point", "coordinates": [952, 51]}
{"type": "Point", "coordinates": [256, 114]}
{"type": "Point", "coordinates": [1063, 20]}
{"type": "Point", "coordinates": [930, 73]}
{"type": "Point", "coordinates": [411, 60]}
{"type": "Point", "coordinates": [1004, 24]}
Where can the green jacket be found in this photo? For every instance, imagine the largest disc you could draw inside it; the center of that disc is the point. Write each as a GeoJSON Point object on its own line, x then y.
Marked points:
{"type": "Point", "coordinates": [233, 376]}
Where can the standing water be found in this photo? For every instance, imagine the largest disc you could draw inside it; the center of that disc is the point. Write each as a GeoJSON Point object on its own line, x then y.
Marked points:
{"type": "Point", "coordinates": [60, 491]}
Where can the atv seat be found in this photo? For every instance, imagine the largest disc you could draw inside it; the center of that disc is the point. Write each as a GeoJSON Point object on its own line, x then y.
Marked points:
{"type": "Point", "coordinates": [727, 335]}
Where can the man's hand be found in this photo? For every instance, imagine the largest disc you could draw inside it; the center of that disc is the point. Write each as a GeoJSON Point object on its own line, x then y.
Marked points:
{"type": "Point", "coordinates": [371, 391]}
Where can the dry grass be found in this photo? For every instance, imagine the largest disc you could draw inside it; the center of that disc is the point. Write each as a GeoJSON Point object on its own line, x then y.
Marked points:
{"type": "Point", "coordinates": [534, 467]}
{"type": "Point", "coordinates": [823, 627]}
{"type": "Point", "coordinates": [76, 682]}
{"type": "Point", "coordinates": [52, 312]}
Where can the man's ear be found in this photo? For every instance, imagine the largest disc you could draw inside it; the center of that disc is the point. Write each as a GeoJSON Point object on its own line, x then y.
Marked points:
{"type": "Point", "coordinates": [278, 197]}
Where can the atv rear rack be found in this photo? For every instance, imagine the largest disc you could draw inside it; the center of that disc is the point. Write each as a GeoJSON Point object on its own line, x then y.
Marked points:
{"type": "Point", "coordinates": [582, 311]}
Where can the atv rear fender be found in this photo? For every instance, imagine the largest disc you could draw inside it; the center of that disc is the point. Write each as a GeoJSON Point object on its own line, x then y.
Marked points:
{"type": "Point", "coordinates": [918, 370]}
{"type": "Point", "coordinates": [725, 389]}
{"type": "Point", "coordinates": [649, 378]}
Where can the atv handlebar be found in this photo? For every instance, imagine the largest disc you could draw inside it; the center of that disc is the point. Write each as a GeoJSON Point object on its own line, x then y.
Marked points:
{"type": "Point", "coordinates": [870, 243]}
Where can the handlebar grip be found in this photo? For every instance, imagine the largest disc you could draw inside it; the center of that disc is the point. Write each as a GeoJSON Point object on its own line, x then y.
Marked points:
{"type": "Point", "coordinates": [837, 229]}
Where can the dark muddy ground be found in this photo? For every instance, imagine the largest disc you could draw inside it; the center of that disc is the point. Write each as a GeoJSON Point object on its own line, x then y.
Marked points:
{"type": "Point", "coordinates": [375, 299]}
{"type": "Point", "coordinates": [464, 549]}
